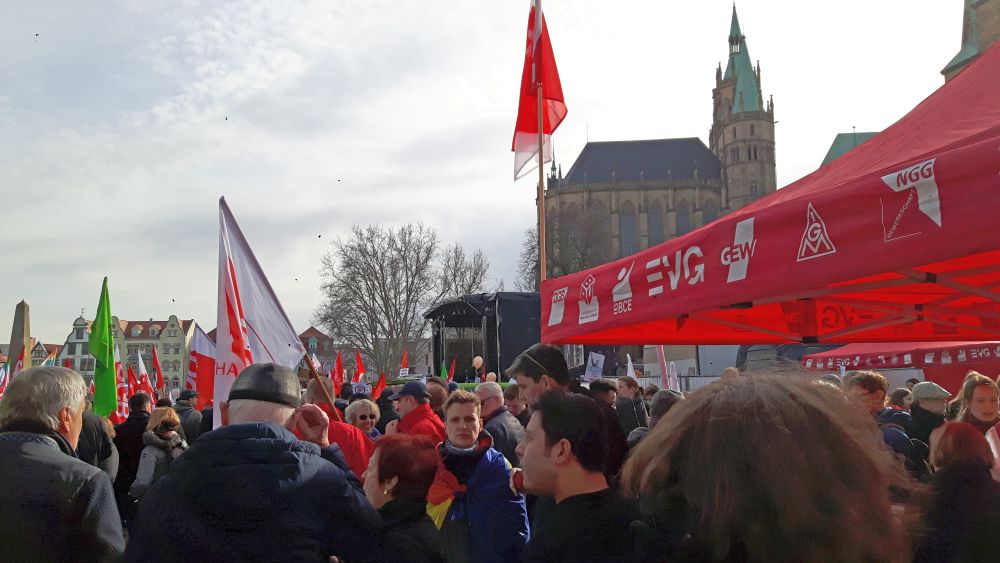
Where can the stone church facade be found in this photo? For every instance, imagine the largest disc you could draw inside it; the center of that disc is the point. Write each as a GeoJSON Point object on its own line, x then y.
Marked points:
{"type": "Point", "coordinates": [620, 197]}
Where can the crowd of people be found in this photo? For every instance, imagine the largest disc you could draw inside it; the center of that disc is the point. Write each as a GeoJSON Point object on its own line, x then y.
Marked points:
{"type": "Point", "coordinates": [774, 467]}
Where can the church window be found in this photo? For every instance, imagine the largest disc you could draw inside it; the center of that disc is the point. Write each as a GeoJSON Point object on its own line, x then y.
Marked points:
{"type": "Point", "coordinates": [654, 223]}
{"type": "Point", "coordinates": [753, 189]}
{"type": "Point", "coordinates": [628, 229]}
{"type": "Point", "coordinates": [709, 212]}
{"type": "Point", "coordinates": [748, 153]}
{"type": "Point", "coordinates": [752, 133]}
{"type": "Point", "coordinates": [682, 218]}
{"type": "Point", "coordinates": [78, 334]}
{"type": "Point", "coordinates": [136, 331]}
{"type": "Point", "coordinates": [755, 153]}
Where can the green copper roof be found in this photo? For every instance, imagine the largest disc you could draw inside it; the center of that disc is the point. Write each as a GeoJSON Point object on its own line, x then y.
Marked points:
{"type": "Point", "coordinates": [740, 66]}
{"type": "Point", "coordinates": [844, 143]}
{"type": "Point", "coordinates": [970, 47]}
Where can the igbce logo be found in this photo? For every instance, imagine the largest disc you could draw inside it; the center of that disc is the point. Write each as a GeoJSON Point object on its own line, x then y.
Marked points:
{"type": "Point", "coordinates": [919, 177]}
{"type": "Point", "coordinates": [738, 256]}
{"type": "Point", "coordinates": [590, 306]}
{"type": "Point", "coordinates": [558, 306]}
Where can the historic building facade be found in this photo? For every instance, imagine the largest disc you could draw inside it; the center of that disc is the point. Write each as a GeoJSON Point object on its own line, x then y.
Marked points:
{"type": "Point", "coordinates": [621, 197]}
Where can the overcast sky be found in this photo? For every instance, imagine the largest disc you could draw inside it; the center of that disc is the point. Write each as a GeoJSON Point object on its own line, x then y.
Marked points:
{"type": "Point", "coordinates": [121, 124]}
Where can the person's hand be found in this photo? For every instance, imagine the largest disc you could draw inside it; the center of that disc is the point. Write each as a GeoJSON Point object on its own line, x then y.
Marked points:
{"type": "Point", "coordinates": [392, 427]}
{"type": "Point", "coordinates": [516, 481]}
{"type": "Point", "coordinates": [312, 424]}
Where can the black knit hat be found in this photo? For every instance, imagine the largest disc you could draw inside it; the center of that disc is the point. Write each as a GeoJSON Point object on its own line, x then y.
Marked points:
{"type": "Point", "coordinates": [267, 382]}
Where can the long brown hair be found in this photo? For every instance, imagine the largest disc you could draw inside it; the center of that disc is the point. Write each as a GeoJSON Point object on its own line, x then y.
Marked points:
{"type": "Point", "coordinates": [771, 468]}
{"type": "Point", "coordinates": [973, 379]}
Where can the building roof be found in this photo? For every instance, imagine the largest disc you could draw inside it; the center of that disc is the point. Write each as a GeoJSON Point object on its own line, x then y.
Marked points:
{"type": "Point", "coordinates": [970, 40]}
{"type": "Point", "coordinates": [144, 326]}
{"type": "Point", "coordinates": [313, 331]}
{"type": "Point", "coordinates": [52, 348]}
{"type": "Point", "coordinates": [844, 143]}
{"type": "Point", "coordinates": [747, 87]}
{"type": "Point", "coordinates": [654, 159]}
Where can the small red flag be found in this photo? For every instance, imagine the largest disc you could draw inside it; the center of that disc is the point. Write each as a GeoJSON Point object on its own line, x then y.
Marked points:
{"type": "Point", "coordinates": [337, 377]}
{"type": "Point", "coordinates": [404, 364]}
{"type": "Point", "coordinates": [379, 387]}
{"type": "Point", "coordinates": [539, 70]}
{"type": "Point", "coordinates": [67, 363]}
{"type": "Point", "coordinates": [361, 367]}
{"type": "Point", "coordinates": [157, 372]}
{"type": "Point", "coordinates": [133, 382]}
{"type": "Point", "coordinates": [451, 369]}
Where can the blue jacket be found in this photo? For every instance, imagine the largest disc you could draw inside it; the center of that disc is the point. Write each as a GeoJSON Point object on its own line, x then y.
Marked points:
{"type": "Point", "coordinates": [253, 492]}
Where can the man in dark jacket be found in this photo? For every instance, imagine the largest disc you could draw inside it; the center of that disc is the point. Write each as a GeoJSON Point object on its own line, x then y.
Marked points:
{"type": "Point", "coordinates": [927, 411]}
{"type": "Point", "coordinates": [506, 431]}
{"type": "Point", "coordinates": [187, 409]}
{"type": "Point", "coordinates": [53, 507]}
{"type": "Point", "coordinates": [95, 446]}
{"type": "Point", "coordinates": [252, 490]}
{"type": "Point", "coordinates": [128, 440]}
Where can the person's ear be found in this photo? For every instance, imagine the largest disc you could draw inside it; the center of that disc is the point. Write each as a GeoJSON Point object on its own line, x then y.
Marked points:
{"type": "Point", "coordinates": [562, 451]}
{"type": "Point", "coordinates": [390, 485]}
{"type": "Point", "coordinates": [65, 419]}
{"type": "Point", "coordinates": [546, 381]}
{"type": "Point", "coordinates": [224, 413]}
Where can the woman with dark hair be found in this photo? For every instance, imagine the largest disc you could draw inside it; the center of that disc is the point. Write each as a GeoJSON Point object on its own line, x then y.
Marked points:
{"type": "Point", "coordinates": [631, 408]}
{"type": "Point", "coordinates": [399, 474]}
{"type": "Point", "coordinates": [900, 400]}
{"type": "Point", "coordinates": [765, 468]}
{"type": "Point", "coordinates": [964, 512]}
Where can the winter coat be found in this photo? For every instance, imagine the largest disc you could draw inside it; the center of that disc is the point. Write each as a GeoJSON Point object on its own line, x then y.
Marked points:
{"type": "Point", "coordinates": [95, 446]}
{"type": "Point", "coordinates": [190, 420]}
{"type": "Point", "coordinates": [128, 440]}
{"type": "Point", "coordinates": [407, 535]}
{"type": "Point", "coordinates": [160, 451]}
{"type": "Point", "coordinates": [962, 517]}
{"type": "Point", "coordinates": [354, 444]}
{"type": "Point", "coordinates": [253, 492]}
{"type": "Point", "coordinates": [632, 414]}
{"type": "Point", "coordinates": [923, 423]}
{"type": "Point", "coordinates": [480, 519]}
{"type": "Point", "coordinates": [53, 507]}
{"type": "Point", "coordinates": [507, 433]}
{"type": "Point", "coordinates": [422, 421]}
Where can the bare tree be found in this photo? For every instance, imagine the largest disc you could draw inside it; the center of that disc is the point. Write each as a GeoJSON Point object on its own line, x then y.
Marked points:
{"type": "Point", "coordinates": [462, 274]}
{"type": "Point", "coordinates": [376, 285]}
{"type": "Point", "coordinates": [527, 278]}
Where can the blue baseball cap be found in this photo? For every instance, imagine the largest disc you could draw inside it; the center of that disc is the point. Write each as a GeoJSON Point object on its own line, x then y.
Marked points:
{"type": "Point", "coordinates": [412, 389]}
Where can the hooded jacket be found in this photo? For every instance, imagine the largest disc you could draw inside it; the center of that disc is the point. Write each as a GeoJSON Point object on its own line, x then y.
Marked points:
{"type": "Point", "coordinates": [253, 492]}
{"type": "Point", "coordinates": [422, 421]}
{"type": "Point", "coordinates": [160, 451]}
{"type": "Point", "coordinates": [190, 420]}
{"type": "Point", "coordinates": [480, 519]}
{"type": "Point", "coordinates": [53, 506]}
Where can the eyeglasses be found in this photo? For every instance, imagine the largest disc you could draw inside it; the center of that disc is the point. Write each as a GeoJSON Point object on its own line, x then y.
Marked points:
{"type": "Point", "coordinates": [366, 417]}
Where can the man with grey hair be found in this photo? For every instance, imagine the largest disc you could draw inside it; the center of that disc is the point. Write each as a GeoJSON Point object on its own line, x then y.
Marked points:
{"type": "Point", "coordinates": [266, 486]}
{"type": "Point", "coordinates": [53, 507]}
{"type": "Point", "coordinates": [504, 427]}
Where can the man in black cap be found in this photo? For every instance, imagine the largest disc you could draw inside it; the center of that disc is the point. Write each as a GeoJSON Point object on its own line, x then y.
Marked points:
{"type": "Point", "coordinates": [187, 409]}
{"type": "Point", "coordinates": [252, 490]}
{"type": "Point", "coordinates": [413, 404]}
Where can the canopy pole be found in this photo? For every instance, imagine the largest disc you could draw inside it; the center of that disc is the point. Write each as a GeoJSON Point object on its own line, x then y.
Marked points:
{"type": "Point", "coordinates": [542, 258]}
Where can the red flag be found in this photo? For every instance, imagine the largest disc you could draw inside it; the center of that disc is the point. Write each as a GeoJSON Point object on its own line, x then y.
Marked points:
{"type": "Point", "coordinates": [404, 365]}
{"type": "Point", "coordinates": [157, 371]}
{"type": "Point", "coordinates": [451, 369]}
{"type": "Point", "coordinates": [379, 387]}
{"type": "Point", "coordinates": [121, 382]}
{"type": "Point", "coordinates": [67, 363]}
{"type": "Point", "coordinates": [539, 70]}
{"type": "Point", "coordinates": [144, 384]}
{"type": "Point", "coordinates": [337, 377]}
{"type": "Point", "coordinates": [338, 366]}
{"type": "Point", "coordinates": [361, 367]}
{"type": "Point", "coordinates": [133, 382]}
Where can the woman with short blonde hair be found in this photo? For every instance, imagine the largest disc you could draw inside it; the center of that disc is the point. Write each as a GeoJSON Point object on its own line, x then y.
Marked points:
{"type": "Point", "coordinates": [364, 414]}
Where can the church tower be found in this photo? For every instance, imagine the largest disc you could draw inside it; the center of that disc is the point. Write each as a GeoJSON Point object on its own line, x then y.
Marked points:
{"type": "Point", "coordinates": [742, 133]}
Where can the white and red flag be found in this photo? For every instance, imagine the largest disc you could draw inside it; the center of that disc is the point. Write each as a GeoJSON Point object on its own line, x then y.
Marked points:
{"type": "Point", "coordinates": [201, 365]}
{"type": "Point", "coordinates": [19, 364]}
{"type": "Point", "coordinates": [144, 384]}
{"type": "Point", "coordinates": [3, 378]}
{"type": "Point", "coordinates": [121, 413]}
{"type": "Point", "coordinates": [539, 74]}
{"type": "Point", "coordinates": [252, 325]}
{"type": "Point", "coordinates": [158, 373]}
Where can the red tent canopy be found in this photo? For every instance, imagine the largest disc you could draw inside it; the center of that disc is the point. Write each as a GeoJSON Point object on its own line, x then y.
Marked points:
{"type": "Point", "coordinates": [945, 363]}
{"type": "Point", "coordinates": [895, 241]}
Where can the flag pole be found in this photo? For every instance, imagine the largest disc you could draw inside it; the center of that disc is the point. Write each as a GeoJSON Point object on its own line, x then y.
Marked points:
{"type": "Point", "coordinates": [322, 388]}
{"type": "Point", "coordinates": [542, 258]}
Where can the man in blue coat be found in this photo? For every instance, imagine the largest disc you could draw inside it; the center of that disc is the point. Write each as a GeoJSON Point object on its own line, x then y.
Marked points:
{"type": "Point", "coordinates": [252, 490]}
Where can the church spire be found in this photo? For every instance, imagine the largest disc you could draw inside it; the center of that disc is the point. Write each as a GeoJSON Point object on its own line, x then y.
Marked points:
{"type": "Point", "coordinates": [747, 96]}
